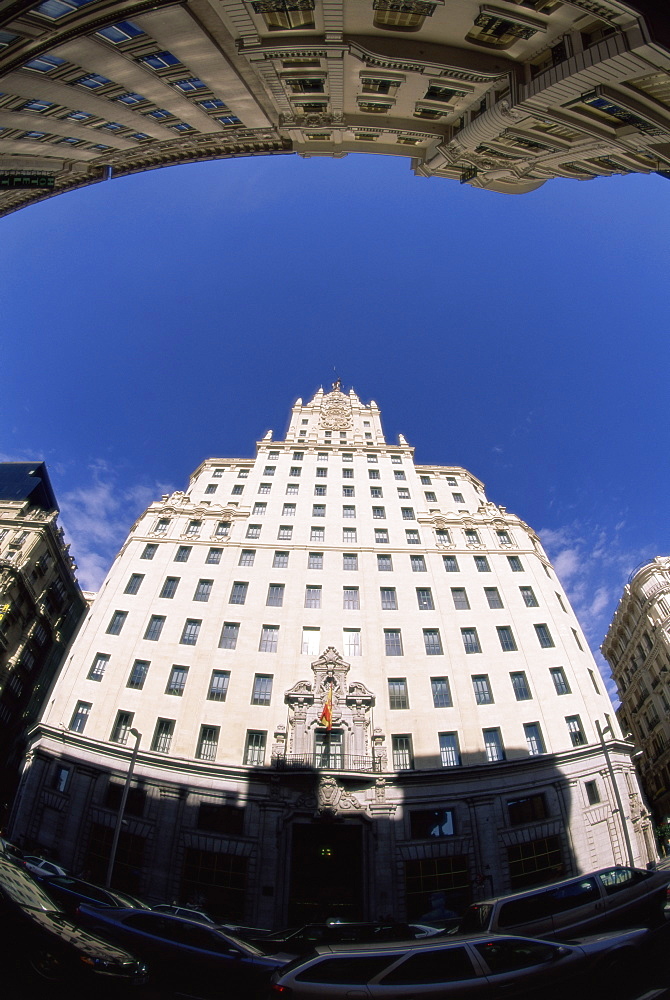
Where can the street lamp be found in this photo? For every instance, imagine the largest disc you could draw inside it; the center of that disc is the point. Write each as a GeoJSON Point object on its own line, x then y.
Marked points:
{"type": "Point", "coordinates": [615, 788]}
{"type": "Point", "coordinates": [122, 808]}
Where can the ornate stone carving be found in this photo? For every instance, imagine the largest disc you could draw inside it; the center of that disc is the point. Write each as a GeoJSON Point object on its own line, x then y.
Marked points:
{"type": "Point", "coordinates": [336, 409]}
{"type": "Point", "coordinates": [333, 798]}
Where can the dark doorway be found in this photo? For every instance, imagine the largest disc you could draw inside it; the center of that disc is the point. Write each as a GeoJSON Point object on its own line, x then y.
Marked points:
{"type": "Point", "coordinates": [326, 872]}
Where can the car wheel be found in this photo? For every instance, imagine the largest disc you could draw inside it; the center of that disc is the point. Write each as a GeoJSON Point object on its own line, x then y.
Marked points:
{"type": "Point", "coordinates": [616, 973]}
{"type": "Point", "coordinates": [47, 964]}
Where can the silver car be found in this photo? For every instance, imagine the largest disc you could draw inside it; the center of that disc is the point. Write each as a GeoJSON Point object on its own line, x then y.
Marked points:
{"type": "Point", "coordinates": [477, 967]}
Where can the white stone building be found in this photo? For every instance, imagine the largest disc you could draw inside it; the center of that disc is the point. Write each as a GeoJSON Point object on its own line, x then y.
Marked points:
{"type": "Point", "coordinates": [637, 648]}
{"type": "Point", "coordinates": [463, 756]}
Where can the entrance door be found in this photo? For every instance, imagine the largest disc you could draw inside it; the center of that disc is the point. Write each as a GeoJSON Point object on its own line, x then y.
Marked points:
{"type": "Point", "coordinates": [326, 877]}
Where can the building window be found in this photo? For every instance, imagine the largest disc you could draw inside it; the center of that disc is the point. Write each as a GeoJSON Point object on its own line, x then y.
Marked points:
{"type": "Point", "coordinates": [275, 598]}
{"type": "Point", "coordinates": [432, 641]}
{"type": "Point", "coordinates": [254, 531]}
{"type": "Point", "coordinates": [529, 598]}
{"type": "Point", "coordinates": [218, 685]}
{"type": "Point", "coordinates": [80, 716]}
{"type": "Point", "coordinates": [214, 556]}
{"type": "Point", "coordinates": [441, 692]}
{"type": "Point", "coordinates": [412, 536]}
{"type": "Point", "coordinates": [154, 628]}
{"type": "Point", "coordinates": [264, 488]}
{"type": "Point", "coordinates": [61, 778]}
{"type": "Point", "coordinates": [482, 564]}
{"type": "Point", "coordinates": [431, 498]}
{"type": "Point", "coordinates": [544, 636]}
{"type": "Point", "coordinates": [321, 472]}
{"type": "Point", "coordinates": [349, 491]}
{"type": "Point", "coordinates": [288, 510]}
{"type": "Point", "coordinates": [243, 474]}
{"type": "Point", "coordinates": [262, 690]}
{"type": "Point", "coordinates": [182, 553]}
{"type": "Point", "coordinates": [515, 564]}
{"type": "Point", "coordinates": [459, 498]}
{"type": "Point", "coordinates": [351, 599]}
{"type": "Point", "coordinates": [269, 638]}
{"type": "Point", "coordinates": [121, 727]}
{"type": "Point", "coordinates": [351, 640]}
{"type": "Point", "coordinates": [388, 598]}
{"type": "Point", "coordinates": [350, 560]}
{"type": "Point", "coordinates": [506, 638]}
{"type": "Point", "coordinates": [203, 590]}
{"type": "Point", "coordinates": [298, 456]}
{"type": "Point", "coordinates": [493, 745]}
{"type": "Point", "coordinates": [133, 584]}
{"type": "Point", "coordinates": [450, 564]}
{"type": "Point", "coordinates": [407, 513]}
{"type": "Point", "coordinates": [138, 674]}
{"type": "Point", "coordinates": [460, 599]}
{"type": "Point", "coordinates": [349, 536]}
{"type": "Point", "coordinates": [399, 475]}
{"type": "Point", "coordinates": [579, 645]}
{"type": "Point", "coordinates": [295, 471]}
{"type": "Point", "coordinates": [254, 750]}
{"type": "Point", "coordinates": [280, 560]}
{"type": "Point", "coordinates": [534, 739]}
{"type": "Point", "coordinates": [535, 862]}
{"type": "Point", "coordinates": [392, 642]}
{"type": "Point", "coordinates": [376, 492]}
{"type": "Point", "coordinates": [372, 473]}
{"type": "Point", "coordinates": [116, 622]}
{"type": "Point", "coordinates": [495, 32]}
{"type": "Point", "coordinates": [285, 533]}
{"type": "Point", "coordinates": [317, 535]}
{"type": "Point", "coordinates": [312, 596]}
{"type": "Point", "coordinates": [493, 597]}
{"type": "Point", "coordinates": [594, 682]}
{"type": "Point", "coordinates": [348, 473]}
{"type": "Point", "coordinates": [527, 810]}
{"type": "Point", "coordinates": [238, 593]}
{"type": "Point", "coordinates": [560, 680]}
{"type": "Point", "coordinates": [191, 631]}
{"type": "Point", "coordinates": [403, 493]}
{"type": "Point", "coordinates": [208, 743]}
{"type": "Point", "coordinates": [229, 635]}
{"type": "Point", "coordinates": [482, 689]}
{"type": "Point", "coordinates": [418, 564]}
{"type": "Point", "coordinates": [210, 488]}
{"type": "Point", "coordinates": [269, 470]}
{"type": "Point", "coordinates": [314, 560]}
{"type": "Point", "coordinates": [161, 526]}
{"type": "Point", "coordinates": [149, 551]}
{"type": "Point", "coordinates": [471, 640]}
{"type": "Point", "coordinates": [222, 529]}
{"type": "Point", "coordinates": [381, 536]}
{"type": "Point", "coordinates": [169, 588]}
{"type": "Point", "coordinates": [574, 724]}
{"type": "Point", "coordinates": [504, 538]}
{"type": "Point", "coordinates": [348, 511]}
{"type": "Point", "coordinates": [520, 686]}
{"type": "Point", "coordinates": [247, 557]}
{"type": "Point", "coordinates": [177, 681]}
{"type": "Point", "coordinates": [98, 667]}
{"type": "Point", "coordinates": [424, 597]}
{"type": "Point", "coordinates": [318, 510]}
{"type": "Point", "coordinates": [310, 641]}
{"type": "Point", "coordinates": [193, 528]}
{"type": "Point", "coordinates": [592, 793]}
{"type": "Point", "coordinates": [450, 754]}
{"type": "Point", "coordinates": [385, 564]}
{"type": "Point", "coordinates": [162, 735]}
{"type": "Point", "coordinates": [398, 697]}
{"type": "Point", "coordinates": [259, 509]}
{"type": "Point", "coordinates": [401, 752]}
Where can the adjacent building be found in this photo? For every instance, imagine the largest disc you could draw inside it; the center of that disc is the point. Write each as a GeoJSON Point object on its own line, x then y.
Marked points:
{"type": "Point", "coordinates": [350, 685]}
{"type": "Point", "coordinates": [40, 607]}
{"type": "Point", "coordinates": [501, 95]}
{"type": "Point", "coordinates": [637, 648]}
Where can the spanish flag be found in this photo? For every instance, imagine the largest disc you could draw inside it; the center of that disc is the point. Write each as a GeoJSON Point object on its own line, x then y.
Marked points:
{"type": "Point", "coordinates": [326, 718]}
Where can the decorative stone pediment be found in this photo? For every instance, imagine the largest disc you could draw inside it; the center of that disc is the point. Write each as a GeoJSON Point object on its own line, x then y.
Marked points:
{"type": "Point", "coordinates": [336, 409]}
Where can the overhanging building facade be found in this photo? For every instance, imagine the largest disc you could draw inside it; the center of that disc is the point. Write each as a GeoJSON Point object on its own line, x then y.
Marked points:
{"type": "Point", "coordinates": [356, 688]}
{"type": "Point", "coordinates": [501, 95]}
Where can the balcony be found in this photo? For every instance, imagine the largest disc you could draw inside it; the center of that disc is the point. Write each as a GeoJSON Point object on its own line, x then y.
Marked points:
{"type": "Point", "coordinates": [321, 762]}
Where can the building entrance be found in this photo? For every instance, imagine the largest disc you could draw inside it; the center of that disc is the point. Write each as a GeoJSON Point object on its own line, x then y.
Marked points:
{"type": "Point", "coordinates": [326, 879]}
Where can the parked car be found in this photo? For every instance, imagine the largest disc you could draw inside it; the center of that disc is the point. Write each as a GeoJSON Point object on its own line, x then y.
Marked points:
{"type": "Point", "coordinates": [302, 940]}
{"type": "Point", "coordinates": [10, 850]}
{"type": "Point", "coordinates": [39, 940]}
{"type": "Point", "coordinates": [610, 897]}
{"type": "Point", "coordinates": [477, 967]}
{"type": "Point", "coordinates": [69, 892]}
{"type": "Point", "coordinates": [184, 911]}
{"type": "Point", "coordinates": [40, 866]}
{"type": "Point", "coordinates": [185, 955]}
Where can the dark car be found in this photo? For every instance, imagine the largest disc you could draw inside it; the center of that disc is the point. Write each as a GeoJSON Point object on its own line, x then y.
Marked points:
{"type": "Point", "coordinates": [189, 913]}
{"type": "Point", "coordinates": [477, 967]}
{"type": "Point", "coordinates": [185, 955]}
{"type": "Point", "coordinates": [38, 939]}
{"type": "Point", "coordinates": [303, 940]}
{"type": "Point", "coordinates": [70, 892]}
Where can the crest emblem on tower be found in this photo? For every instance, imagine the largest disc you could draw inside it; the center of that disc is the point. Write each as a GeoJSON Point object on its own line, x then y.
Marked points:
{"type": "Point", "coordinates": [336, 409]}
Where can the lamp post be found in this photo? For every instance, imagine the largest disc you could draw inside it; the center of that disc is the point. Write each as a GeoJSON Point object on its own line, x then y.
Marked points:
{"type": "Point", "coordinates": [615, 788]}
{"type": "Point", "coordinates": [122, 808]}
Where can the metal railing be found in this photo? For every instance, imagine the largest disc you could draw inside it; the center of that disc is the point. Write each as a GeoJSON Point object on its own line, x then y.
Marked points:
{"type": "Point", "coordinates": [327, 762]}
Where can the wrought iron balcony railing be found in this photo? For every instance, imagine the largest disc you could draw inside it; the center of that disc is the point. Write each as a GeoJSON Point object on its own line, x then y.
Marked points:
{"type": "Point", "coordinates": [326, 762]}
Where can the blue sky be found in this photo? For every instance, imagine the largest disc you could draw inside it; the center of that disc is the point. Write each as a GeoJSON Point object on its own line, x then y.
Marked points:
{"type": "Point", "coordinates": [152, 321]}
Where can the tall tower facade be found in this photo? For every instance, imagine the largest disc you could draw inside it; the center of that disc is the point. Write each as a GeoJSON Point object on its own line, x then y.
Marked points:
{"type": "Point", "coordinates": [352, 686]}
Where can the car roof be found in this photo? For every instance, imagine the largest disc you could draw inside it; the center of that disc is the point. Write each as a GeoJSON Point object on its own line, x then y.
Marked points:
{"type": "Point", "coordinates": [424, 944]}
{"type": "Point", "coordinates": [564, 881]}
